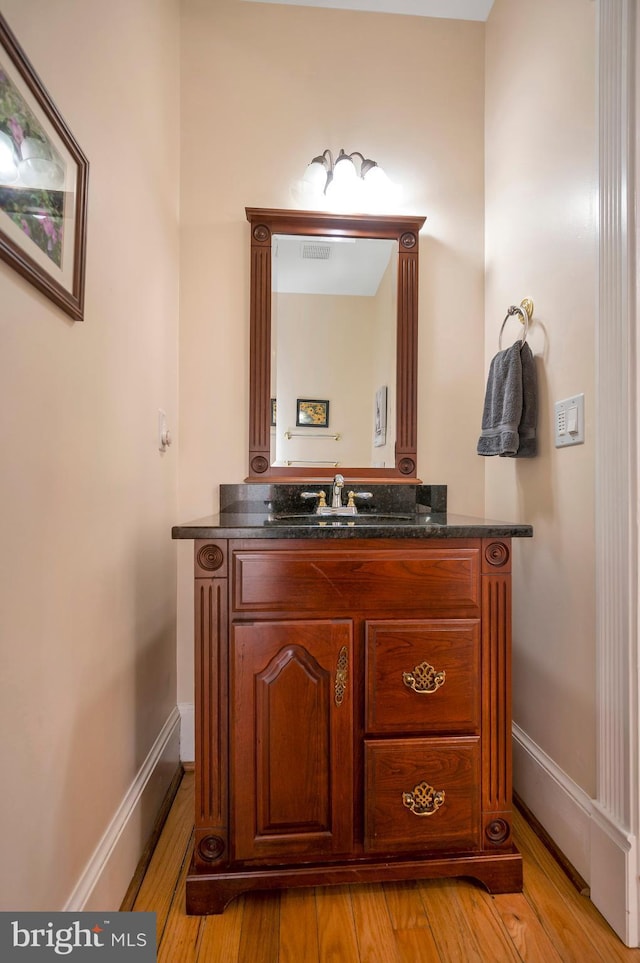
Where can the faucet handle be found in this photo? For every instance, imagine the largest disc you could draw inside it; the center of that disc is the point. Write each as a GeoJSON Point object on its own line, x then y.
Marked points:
{"type": "Point", "coordinates": [320, 495]}
{"type": "Point", "coordinates": [353, 495]}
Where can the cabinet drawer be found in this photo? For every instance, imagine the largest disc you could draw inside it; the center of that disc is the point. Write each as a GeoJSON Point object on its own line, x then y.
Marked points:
{"type": "Point", "coordinates": [422, 794]}
{"type": "Point", "coordinates": [439, 581]}
{"type": "Point", "coordinates": [423, 676]}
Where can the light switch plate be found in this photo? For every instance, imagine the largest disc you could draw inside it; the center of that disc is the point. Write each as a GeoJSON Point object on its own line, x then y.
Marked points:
{"type": "Point", "coordinates": [569, 421]}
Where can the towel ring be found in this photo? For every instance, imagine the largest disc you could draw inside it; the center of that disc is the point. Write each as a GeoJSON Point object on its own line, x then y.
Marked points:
{"type": "Point", "coordinates": [525, 310]}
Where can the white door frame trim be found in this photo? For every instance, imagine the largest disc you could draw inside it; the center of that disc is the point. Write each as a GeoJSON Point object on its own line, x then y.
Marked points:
{"type": "Point", "coordinates": [614, 833]}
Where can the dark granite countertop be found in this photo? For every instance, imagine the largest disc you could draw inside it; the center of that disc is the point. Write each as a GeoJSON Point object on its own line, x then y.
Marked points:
{"type": "Point", "coordinates": [265, 525]}
{"type": "Point", "coordinates": [386, 511]}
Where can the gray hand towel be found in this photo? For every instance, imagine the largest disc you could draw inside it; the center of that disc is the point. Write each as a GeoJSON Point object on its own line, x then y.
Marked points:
{"type": "Point", "coordinates": [510, 405]}
{"type": "Point", "coordinates": [527, 447]}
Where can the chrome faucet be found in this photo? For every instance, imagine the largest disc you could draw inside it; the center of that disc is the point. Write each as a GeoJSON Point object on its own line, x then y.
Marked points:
{"type": "Point", "coordinates": [336, 507]}
{"type": "Point", "coordinates": [338, 485]}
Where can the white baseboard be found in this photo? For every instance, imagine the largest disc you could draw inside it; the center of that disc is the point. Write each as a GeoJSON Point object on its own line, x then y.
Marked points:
{"type": "Point", "coordinates": [614, 874]}
{"type": "Point", "coordinates": [187, 731]}
{"type": "Point", "coordinates": [604, 854]}
{"type": "Point", "coordinates": [106, 877]}
{"type": "Point", "coordinates": [555, 800]}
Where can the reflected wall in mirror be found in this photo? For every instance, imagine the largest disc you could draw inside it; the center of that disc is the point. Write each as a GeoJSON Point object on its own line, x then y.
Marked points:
{"type": "Point", "coordinates": [333, 316]}
{"type": "Point", "coordinates": [333, 335]}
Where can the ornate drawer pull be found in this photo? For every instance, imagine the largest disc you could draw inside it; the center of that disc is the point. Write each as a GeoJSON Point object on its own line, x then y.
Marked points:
{"type": "Point", "coordinates": [342, 675]}
{"type": "Point", "coordinates": [423, 800]}
{"type": "Point", "coordinates": [424, 679]}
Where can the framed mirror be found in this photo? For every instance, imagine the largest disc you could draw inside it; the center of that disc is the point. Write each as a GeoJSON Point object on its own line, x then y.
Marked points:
{"type": "Point", "coordinates": [333, 345]}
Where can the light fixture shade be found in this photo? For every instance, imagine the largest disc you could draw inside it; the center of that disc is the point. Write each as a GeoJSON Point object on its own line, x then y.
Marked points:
{"type": "Point", "coordinates": [376, 176]}
{"type": "Point", "coordinates": [344, 170]}
{"type": "Point", "coordinates": [383, 194]}
{"type": "Point", "coordinates": [315, 175]}
{"type": "Point", "coordinates": [366, 166]}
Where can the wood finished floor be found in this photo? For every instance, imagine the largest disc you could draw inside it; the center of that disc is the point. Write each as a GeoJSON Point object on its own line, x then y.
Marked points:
{"type": "Point", "coordinates": [449, 921]}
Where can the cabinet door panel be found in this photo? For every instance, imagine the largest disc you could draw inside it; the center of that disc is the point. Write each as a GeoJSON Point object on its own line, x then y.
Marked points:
{"type": "Point", "coordinates": [291, 738]}
{"type": "Point", "coordinates": [423, 676]}
{"type": "Point", "coordinates": [422, 794]}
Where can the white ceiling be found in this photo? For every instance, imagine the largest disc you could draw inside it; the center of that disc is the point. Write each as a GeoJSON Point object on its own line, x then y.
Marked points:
{"type": "Point", "coordinates": [449, 9]}
{"type": "Point", "coordinates": [325, 265]}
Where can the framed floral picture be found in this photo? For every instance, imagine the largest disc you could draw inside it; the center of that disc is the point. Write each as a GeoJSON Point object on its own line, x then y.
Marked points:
{"type": "Point", "coordinates": [43, 184]}
{"type": "Point", "coordinates": [312, 414]}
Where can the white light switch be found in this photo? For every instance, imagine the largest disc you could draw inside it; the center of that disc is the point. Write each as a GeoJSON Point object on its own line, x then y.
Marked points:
{"type": "Point", "coordinates": [569, 421]}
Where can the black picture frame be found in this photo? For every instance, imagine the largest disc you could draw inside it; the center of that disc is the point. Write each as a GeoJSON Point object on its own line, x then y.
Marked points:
{"type": "Point", "coordinates": [312, 413]}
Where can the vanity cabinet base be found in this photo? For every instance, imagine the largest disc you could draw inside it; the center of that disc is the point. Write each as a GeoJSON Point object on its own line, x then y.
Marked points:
{"type": "Point", "coordinates": [210, 894]}
{"type": "Point", "coordinates": [353, 715]}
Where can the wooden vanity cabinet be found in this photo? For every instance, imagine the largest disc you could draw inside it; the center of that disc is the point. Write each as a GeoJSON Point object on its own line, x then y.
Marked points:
{"type": "Point", "coordinates": [352, 714]}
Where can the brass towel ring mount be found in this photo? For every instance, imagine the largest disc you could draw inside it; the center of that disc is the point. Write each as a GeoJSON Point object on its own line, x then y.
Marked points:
{"type": "Point", "coordinates": [524, 313]}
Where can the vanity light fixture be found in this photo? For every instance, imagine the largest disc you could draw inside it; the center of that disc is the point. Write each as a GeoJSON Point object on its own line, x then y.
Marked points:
{"type": "Point", "coordinates": [351, 182]}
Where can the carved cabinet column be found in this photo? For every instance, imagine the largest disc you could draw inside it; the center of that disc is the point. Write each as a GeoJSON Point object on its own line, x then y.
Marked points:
{"type": "Point", "coordinates": [211, 671]}
{"type": "Point", "coordinates": [496, 692]}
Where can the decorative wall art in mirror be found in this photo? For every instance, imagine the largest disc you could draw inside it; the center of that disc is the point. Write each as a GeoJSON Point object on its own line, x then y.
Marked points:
{"type": "Point", "coordinates": [380, 417]}
{"type": "Point", "coordinates": [334, 315]}
{"type": "Point", "coordinates": [312, 413]}
{"type": "Point", "coordinates": [43, 184]}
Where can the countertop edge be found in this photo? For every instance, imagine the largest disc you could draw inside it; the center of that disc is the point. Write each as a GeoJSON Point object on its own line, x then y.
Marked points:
{"type": "Point", "coordinates": [434, 530]}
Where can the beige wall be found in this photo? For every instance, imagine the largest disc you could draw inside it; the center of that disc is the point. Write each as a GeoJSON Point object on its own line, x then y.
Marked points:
{"type": "Point", "coordinates": [541, 242]}
{"type": "Point", "coordinates": [87, 593]}
{"type": "Point", "coordinates": [320, 337]}
{"type": "Point", "coordinates": [88, 588]}
{"type": "Point", "coordinates": [264, 89]}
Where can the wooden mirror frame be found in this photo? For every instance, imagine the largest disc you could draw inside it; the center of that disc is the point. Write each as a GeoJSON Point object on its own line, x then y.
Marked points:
{"type": "Point", "coordinates": [404, 230]}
